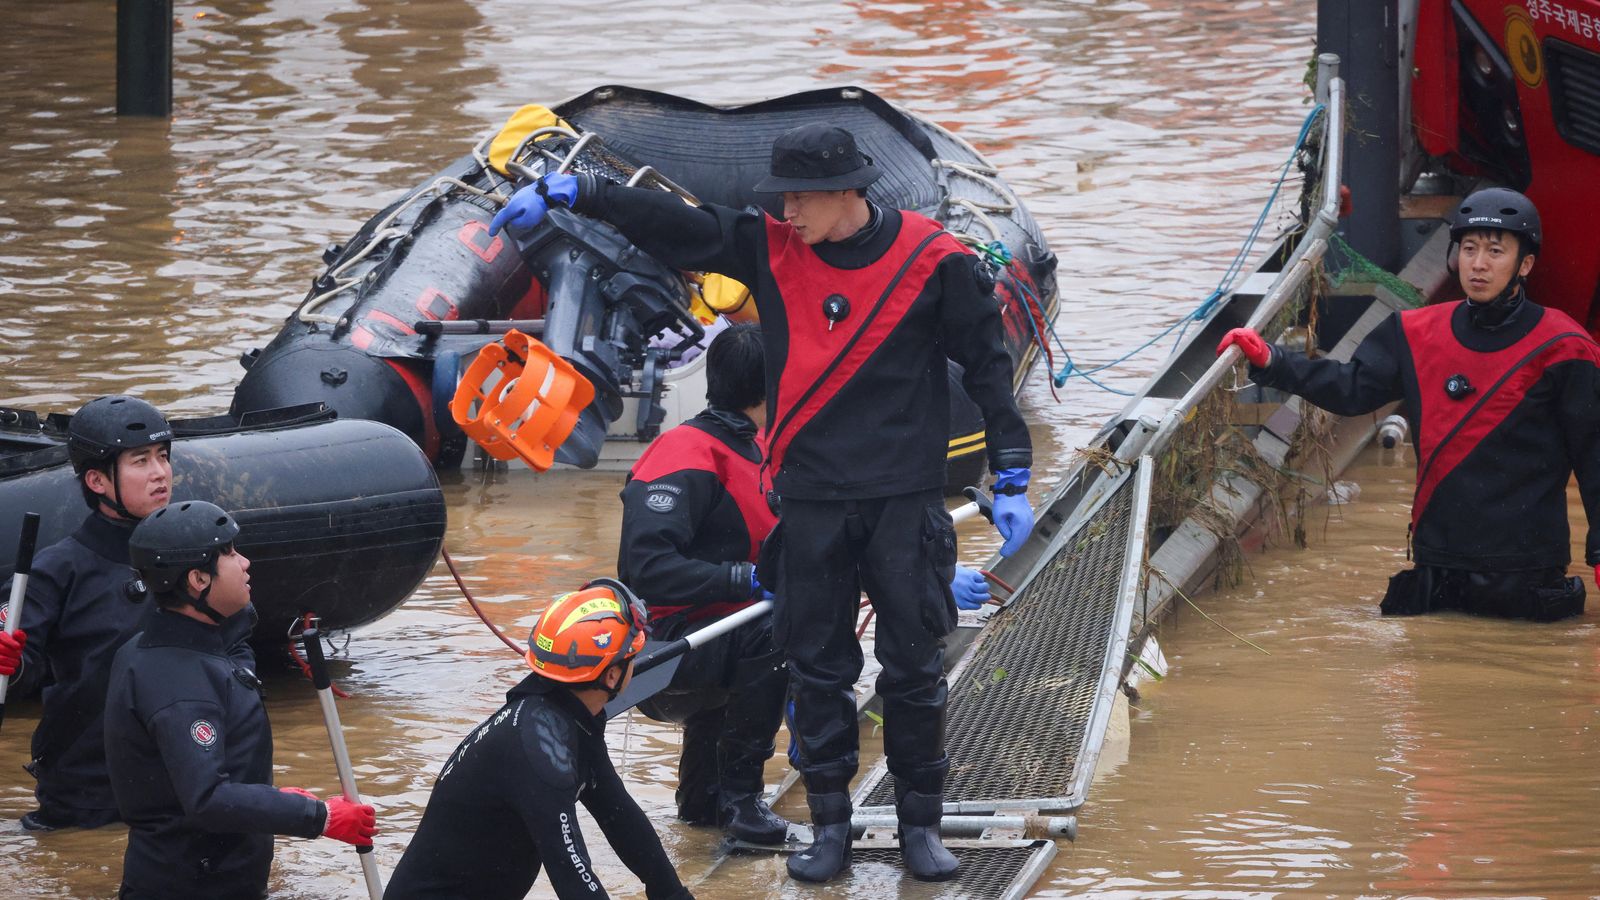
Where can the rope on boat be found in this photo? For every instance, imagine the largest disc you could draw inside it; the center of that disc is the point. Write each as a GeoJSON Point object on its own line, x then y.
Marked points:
{"type": "Point", "coordinates": [1070, 369]}
{"type": "Point", "coordinates": [381, 234]}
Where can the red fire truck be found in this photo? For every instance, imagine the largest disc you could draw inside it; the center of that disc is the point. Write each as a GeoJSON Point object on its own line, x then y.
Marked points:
{"type": "Point", "coordinates": [1510, 92]}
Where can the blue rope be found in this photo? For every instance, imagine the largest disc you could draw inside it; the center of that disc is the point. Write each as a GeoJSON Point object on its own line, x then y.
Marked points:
{"type": "Point", "coordinates": [997, 251]}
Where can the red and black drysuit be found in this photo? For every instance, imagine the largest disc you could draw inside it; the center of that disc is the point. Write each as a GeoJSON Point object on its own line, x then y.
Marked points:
{"type": "Point", "coordinates": [505, 807]}
{"type": "Point", "coordinates": [1489, 522]}
{"type": "Point", "coordinates": [693, 519]}
{"type": "Point", "coordinates": [858, 426]}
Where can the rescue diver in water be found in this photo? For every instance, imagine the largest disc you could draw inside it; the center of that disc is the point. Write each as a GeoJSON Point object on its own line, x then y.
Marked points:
{"type": "Point", "coordinates": [1503, 396]}
{"type": "Point", "coordinates": [860, 307]}
{"type": "Point", "coordinates": [505, 804]}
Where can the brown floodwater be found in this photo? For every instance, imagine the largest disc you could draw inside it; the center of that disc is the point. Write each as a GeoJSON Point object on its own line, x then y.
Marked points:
{"type": "Point", "coordinates": [1361, 757]}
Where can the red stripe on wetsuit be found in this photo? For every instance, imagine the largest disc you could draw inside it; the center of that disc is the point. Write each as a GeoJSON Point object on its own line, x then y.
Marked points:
{"type": "Point", "coordinates": [688, 448]}
{"type": "Point", "coordinates": [822, 361]}
{"type": "Point", "coordinates": [1451, 429]}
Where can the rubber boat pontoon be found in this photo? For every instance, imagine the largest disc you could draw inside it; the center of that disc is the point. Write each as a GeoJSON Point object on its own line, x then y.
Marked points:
{"type": "Point", "coordinates": [341, 518]}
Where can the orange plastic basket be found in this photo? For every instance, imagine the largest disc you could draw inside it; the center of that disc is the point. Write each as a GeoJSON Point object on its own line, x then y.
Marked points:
{"type": "Point", "coordinates": [519, 399]}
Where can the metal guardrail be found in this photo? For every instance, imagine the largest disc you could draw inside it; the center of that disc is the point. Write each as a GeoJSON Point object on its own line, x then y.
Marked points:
{"type": "Point", "coordinates": [1300, 266]}
{"type": "Point", "coordinates": [1151, 435]}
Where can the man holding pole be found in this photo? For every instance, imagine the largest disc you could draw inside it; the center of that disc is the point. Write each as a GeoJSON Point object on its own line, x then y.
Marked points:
{"type": "Point", "coordinates": [505, 805]}
{"type": "Point", "coordinates": [187, 740]}
{"type": "Point", "coordinates": [693, 520]}
{"type": "Point", "coordinates": [82, 603]}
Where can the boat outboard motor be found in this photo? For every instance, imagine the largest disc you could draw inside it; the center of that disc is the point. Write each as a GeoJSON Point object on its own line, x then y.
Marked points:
{"type": "Point", "coordinates": [606, 299]}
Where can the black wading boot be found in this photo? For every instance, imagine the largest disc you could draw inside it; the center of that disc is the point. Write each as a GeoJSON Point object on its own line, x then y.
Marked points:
{"type": "Point", "coordinates": [921, 848]}
{"type": "Point", "coordinates": [746, 817]}
{"type": "Point", "coordinates": [829, 853]}
{"type": "Point", "coordinates": [754, 712]}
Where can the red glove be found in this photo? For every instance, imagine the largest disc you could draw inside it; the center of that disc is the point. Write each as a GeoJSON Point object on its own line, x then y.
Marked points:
{"type": "Point", "coordinates": [353, 823]}
{"type": "Point", "coordinates": [11, 651]}
{"type": "Point", "coordinates": [1250, 344]}
{"type": "Point", "coordinates": [299, 791]}
{"type": "Point", "coordinates": [1597, 575]}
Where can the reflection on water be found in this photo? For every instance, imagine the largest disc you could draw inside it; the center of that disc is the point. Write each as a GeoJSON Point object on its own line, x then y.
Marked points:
{"type": "Point", "coordinates": [145, 256]}
{"type": "Point", "coordinates": [1433, 756]}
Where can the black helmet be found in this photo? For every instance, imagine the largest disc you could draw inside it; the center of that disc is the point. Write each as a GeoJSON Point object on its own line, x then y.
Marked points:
{"type": "Point", "coordinates": [1497, 209]}
{"type": "Point", "coordinates": [106, 426]}
{"type": "Point", "coordinates": [175, 539]}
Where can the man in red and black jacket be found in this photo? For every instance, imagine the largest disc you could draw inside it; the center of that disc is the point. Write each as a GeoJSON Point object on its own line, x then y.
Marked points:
{"type": "Point", "coordinates": [693, 519]}
{"type": "Point", "coordinates": [1504, 399]}
{"type": "Point", "coordinates": [860, 307]}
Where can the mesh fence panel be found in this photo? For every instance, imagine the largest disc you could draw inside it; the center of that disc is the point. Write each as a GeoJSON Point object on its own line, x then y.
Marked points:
{"type": "Point", "coordinates": [1018, 717]}
{"type": "Point", "coordinates": [986, 872]}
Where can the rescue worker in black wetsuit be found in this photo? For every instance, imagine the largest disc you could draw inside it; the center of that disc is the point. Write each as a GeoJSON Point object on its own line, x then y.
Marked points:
{"type": "Point", "coordinates": [505, 803]}
{"type": "Point", "coordinates": [187, 740]}
{"type": "Point", "coordinates": [83, 602]}
{"type": "Point", "coordinates": [693, 519]}
{"type": "Point", "coordinates": [1503, 396]}
{"type": "Point", "coordinates": [860, 306]}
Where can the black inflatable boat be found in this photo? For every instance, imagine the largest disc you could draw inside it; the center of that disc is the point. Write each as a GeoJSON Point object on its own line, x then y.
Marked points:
{"type": "Point", "coordinates": [342, 518]}
{"type": "Point", "coordinates": [366, 339]}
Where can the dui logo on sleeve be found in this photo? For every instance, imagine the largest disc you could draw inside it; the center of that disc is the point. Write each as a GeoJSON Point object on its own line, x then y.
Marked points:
{"type": "Point", "coordinates": [203, 732]}
{"type": "Point", "coordinates": [661, 502]}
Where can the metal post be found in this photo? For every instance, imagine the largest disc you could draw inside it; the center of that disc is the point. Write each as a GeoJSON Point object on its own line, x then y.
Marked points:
{"type": "Point", "coordinates": [1365, 35]}
{"type": "Point", "coordinates": [144, 57]}
{"type": "Point", "coordinates": [1327, 71]}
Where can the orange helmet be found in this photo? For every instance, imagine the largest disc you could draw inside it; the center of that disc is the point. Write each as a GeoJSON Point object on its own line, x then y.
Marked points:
{"type": "Point", "coordinates": [583, 632]}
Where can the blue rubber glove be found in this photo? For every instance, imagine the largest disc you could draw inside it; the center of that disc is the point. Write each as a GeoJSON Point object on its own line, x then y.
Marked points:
{"type": "Point", "coordinates": [757, 592]}
{"type": "Point", "coordinates": [559, 186]}
{"type": "Point", "coordinates": [1013, 517]}
{"type": "Point", "coordinates": [523, 212]}
{"type": "Point", "coordinates": [794, 740]}
{"type": "Point", "coordinates": [970, 587]}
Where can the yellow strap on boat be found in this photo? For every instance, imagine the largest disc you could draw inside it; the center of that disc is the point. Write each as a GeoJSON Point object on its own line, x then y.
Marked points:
{"type": "Point", "coordinates": [522, 123]}
{"type": "Point", "coordinates": [728, 297]}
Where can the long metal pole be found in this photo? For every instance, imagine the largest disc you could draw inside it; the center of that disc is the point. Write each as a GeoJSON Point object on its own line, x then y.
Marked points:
{"type": "Point", "coordinates": [19, 589]}
{"type": "Point", "coordinates": [749, 614]}
{"type": "Point", "coordinates": [341, 754]}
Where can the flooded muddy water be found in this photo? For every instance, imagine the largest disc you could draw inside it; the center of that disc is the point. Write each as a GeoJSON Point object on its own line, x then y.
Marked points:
{"type": "Point", "coordinates": [1440, 756]}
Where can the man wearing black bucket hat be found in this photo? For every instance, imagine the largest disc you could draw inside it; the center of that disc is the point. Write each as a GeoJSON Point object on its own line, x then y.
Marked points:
{"type": "Point", "coordinates": [860, 305]}
{"type": "Point", "coordinates": [1504, 399]}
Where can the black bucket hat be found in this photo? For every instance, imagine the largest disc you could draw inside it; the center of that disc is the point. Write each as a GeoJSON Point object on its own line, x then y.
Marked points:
{"type": "Point", "coordinates": [817, 158]}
